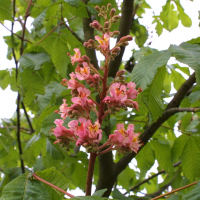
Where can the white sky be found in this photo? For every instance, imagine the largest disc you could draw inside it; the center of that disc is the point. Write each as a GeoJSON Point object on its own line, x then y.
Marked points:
{"type": "Point", "coordinates": [177, 36]}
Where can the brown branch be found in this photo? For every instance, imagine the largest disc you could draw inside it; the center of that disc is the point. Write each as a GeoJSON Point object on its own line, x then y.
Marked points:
{"type": "Point", "coordinates": [89, 34]}
{"type": "Point", "coordinates": [163, 188]}
{"type": "Point", "coordinates": [124, 28]}
{"type": "Point", "coordinates": [27, 118]}
{"type": "Point", "coordinates": [148, 133]}
{"type": "Point", "coordinates": [175, 190]}
{"type": "Point", "coordinates": [148, 179]}
{"type": "Point", "coordinates": [73, 33]}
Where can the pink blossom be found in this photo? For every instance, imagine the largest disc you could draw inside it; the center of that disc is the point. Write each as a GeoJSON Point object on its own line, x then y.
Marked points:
{"type": "Point", "coordinates": [76, 57]}
{"type": "Point", "coordinates": [131, 92]}
{"type": "Point", "coordinates": [62, 132]}
{"type": "Point", "coordinates": [64, 109]}
{"type": "Point", "coordinates": [118, 93]}
{"type": "Point", "coordinates": [87, 132]}
{"type": "Point", "coordinates": [83, 93]}
{"type": "Point", "coordinates": [125, 140]}
{"type": "Point", "coordinates": [104, 42]}
{"type": "Point", "coordinates": [73, 83]}
{"type": "Point", "coordinates": [82, 72]}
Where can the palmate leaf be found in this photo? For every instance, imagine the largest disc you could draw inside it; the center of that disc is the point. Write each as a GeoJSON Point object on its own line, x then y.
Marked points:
{"type": "Point", "coordinates": [188, 54]}
{"type": "Point", "coordinates": [152, 95]}
{"type": "Point", "coordinates": [145, 70]}
{"type": "Point", "coordinates": [30, 60]}
{"type": "Point", "coordinates": [191, 159]}
{"type": "Point", "coordinates": [25, 188]}
{"type": "Point", "coordinates": [6, 10]}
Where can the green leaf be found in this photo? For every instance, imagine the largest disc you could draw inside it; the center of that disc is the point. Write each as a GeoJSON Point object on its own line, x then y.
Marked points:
{"type": "Point", "coordinates": [30, 60]}
{"type": "Point", "coordinates": [118, 195]}
{"type": "Point", "coordinates": [185, 19]}
{"type": "Point", "coordinates": [140, 32]}
{"type": "Point", "coordinates": [4, 79]}
{"type": "Point", "coordinates": [77, 11]}
{"type": "Point", "coordinates": [145, 159]}
{"type": "Point", "coordinates": [31, 84]}
{"type": "Point", "coordinates": [38, 21]}
{"type": "Point", "coordinates": [188, 54]}
{"type": "Point", "coordinates": [99, 192]}
{"type": "Point", "coordinates": [56, 178]}
{"type": "Point", "coordinates": [6, 10]}
{"type": "Point", "coordinates": [59, 56]}
{"type": "Point", "coordinates": [193, 194]}
{"type": "Point", "coordinates": [53, 150]}
{"type": "Point", "coordinates": [177, 79]}
{"type": "Point", "coordinates": [178, 146]}
{"type": "Point", "coordinates": [162, 151]}
{"type": "Point", "coordinates": [169, 16]}
{"type": "Point", "coordinates": [194, 96]}
{"type": "Point", "coordinates": [25, 188]}
{"type": "Point", "coordinates": [145, 70]}
{"type": "Point", "coordinates": [191, 159]}
{"type": "Point", "coordinates": [79, 176]}
{"type": "Point", "coordinates": [152, 95]}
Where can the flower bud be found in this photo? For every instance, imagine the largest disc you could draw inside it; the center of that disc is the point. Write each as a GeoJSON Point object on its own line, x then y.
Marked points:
{"type": "Point", "coordinates": [106, 24]}
{"type": "Point", "coordinates": [126, 38]}
{"type": "Point", "coordinates": [86, 44]}
{"type": "Point", "coordinates": [91, 41]}
{"type": "Point", "coordinates": [86, 58]}
{"type": "Point", "coordinates": [115, 50]}
{"type": "Point", "coordinates": [124, 44]}
{"type": "Point", "coordinates": [116, 18]}
{"type": "Point", "coordinates": [96, 77]}
{"type": "Point", "coordinates": [120, 73]}
{"type": "Point", "coordinates": [109, 6]}
{"type": "Point", "coordinates": [97, 8]}
{"type": "Point", "coordinates": [114, 33]}
{"type": "Point", "coordinates": [112, 12]}
{"type": "Point", "coordinates": [103, 8]}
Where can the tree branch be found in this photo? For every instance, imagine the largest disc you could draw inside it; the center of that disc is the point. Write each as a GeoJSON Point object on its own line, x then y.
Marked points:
{"type": "Point", "coordinates": [163, 188]}
{"type": "Point", "coordinates": [89, 34]}
{"type": "Point", "coordinates": [148, 179]}
{"type": "Point", "coordinates": [124, 28]}
{"type": "Point", "coordinates": [148, 133]}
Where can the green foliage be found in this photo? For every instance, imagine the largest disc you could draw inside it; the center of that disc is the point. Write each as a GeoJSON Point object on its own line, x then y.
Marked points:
{"type": "Point", "coordinates": [58, 29]}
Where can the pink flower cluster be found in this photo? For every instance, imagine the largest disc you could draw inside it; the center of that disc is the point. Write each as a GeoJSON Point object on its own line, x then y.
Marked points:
{"type": "Point", "coordinates": [86, 134]}
{"type": "Point", "coordinates": [119, 94]}
{"type": "Point", "coordinates": [125, 140]}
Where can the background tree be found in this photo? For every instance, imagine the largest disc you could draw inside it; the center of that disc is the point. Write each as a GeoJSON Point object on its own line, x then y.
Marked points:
{"type": "Point", "coordinates": [41, 62]}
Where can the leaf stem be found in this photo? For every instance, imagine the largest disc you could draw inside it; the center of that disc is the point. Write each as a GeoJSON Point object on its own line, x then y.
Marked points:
{"type": "Point", "coordinates": [176, 190]}
{"type": "Point", "coordinates": [51, 185]}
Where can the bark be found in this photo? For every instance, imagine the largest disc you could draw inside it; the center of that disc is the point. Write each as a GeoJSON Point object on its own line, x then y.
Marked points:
{"type": "Point", "coordinates": [124, 28]}
{"type": "Point", "coordinates": [89, 34]}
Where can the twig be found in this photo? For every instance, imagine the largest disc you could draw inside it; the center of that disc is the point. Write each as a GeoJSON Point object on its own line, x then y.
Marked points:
{"type": "Point", "coordinates": [53, 186]}
{"type": "Point", "coordinates": [27, 118]}
{"type": "Point", "coordinates": [49, 33]}
{"type": "Point", "coordinates": [148, 179]}
{"type": "Point", "coordinates": [73, 33]}
{"type": "Point", "coordinates": [15, 33]}
{"type": "Point", "coordinates": [28, 131]}
{"type": "Point", "coordinates": [175, 190]}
